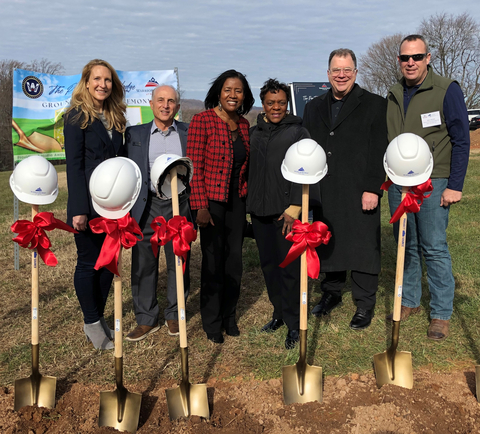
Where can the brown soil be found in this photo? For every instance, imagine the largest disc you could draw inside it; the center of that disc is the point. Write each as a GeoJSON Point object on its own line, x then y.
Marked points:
{"type": "Point", "coordinates": [438, 403]}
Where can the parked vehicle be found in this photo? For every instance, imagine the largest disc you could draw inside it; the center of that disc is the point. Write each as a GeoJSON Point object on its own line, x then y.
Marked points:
{"type": "Point", "coordinates": [472, 113]}
{"type": "Point", "coordinates": [475, 123]}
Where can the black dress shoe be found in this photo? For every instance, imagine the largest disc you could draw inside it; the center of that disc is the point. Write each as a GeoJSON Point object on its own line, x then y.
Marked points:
{"type": "Point", "coordinates": [292, 339]}
{"type": "Point", "coordinates": [232, 330]}
{"type": "Point", "coordinates": [216, 338]}
{"type": "Point", "coordinates": [272, 326]}
{"type": "Point", "coordinates": [362, 319]}
{"type": "Point", "coordinates": [327, 303]}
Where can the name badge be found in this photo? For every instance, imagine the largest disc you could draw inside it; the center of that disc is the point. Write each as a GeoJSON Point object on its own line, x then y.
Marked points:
{"type": "Point", "coordinates": [431, 119]}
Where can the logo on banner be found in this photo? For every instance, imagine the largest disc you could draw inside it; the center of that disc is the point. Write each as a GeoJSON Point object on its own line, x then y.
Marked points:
{"type": "Point", "coordinates": [32, 87]}
{"type": "Point", "coordinates": [152, 83]}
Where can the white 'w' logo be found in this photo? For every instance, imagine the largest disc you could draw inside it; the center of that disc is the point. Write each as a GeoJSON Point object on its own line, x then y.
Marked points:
{"type": "Point", "coordinates": [33, 87]}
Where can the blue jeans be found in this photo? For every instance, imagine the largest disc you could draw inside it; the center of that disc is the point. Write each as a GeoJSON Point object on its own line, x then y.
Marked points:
{"type": "Point", "coordinates": [426, 235]}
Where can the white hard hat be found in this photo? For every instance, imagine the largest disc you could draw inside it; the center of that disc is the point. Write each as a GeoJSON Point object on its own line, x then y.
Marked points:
{"type": "Point", "coordinates": [115, 186]}
{"type": "Point", "coordinates": [305, 162]}
{"type": "Point", "coordinates": [35, 181]}
{"type": "Point", "coordinates": [160, 174]}
{"type": "Point", "coordinates": [408, 160]}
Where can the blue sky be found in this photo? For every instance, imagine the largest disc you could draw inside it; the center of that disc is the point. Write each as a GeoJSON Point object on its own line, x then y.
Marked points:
{"type": "Point", "coordinates": [286, 39]}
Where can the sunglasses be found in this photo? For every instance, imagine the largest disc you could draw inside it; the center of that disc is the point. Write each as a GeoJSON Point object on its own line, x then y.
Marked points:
{"type": "Point", "coordinates": [415, 57]}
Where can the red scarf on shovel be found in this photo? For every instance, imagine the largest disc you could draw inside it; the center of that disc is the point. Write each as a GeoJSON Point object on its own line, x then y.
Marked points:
{"type": "Point", "coordinates": [120, 232]}
{"type": "Point", "coordinates": [306, 236]}
{"type": "Point", "coordinates": [32, 235]}
{"type": "Point", "coordinates": [178, 230]}
{"type": "Point", "coordinates": [413, 199]}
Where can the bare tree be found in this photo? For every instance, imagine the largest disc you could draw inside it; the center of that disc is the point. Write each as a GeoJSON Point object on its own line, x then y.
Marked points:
{"type": "Point", "coordinates": [6, 97]}
{"type": "Point", "coordinates": [378, 67]}
{"type": "Point", "coordinates": [454, 42]}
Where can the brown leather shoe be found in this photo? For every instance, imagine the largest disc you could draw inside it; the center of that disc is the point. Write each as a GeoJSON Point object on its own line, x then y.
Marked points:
{"type": "Point", "coordinates": [141, 332]}
{"type": "Point", "coordinates": [438, 329]}
{"type": "Point", "coordinates": [405, 313]}
{"type": "Point", "coordinates": [172, 327]}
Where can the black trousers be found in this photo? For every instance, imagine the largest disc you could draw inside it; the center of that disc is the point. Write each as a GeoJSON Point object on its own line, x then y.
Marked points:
{"type": "Point", "coordinates": [222, 263]}
{"type": "Point", "coordinates": [283, 284]}
{"type": "Point", "coordinates": [91, 286]}
{"type": "Point", "coordinates": [364, 286]}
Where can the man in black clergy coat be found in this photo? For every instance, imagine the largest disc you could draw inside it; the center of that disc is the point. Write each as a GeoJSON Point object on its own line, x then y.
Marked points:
{"type": "Point", "coordinates": [350, 124]}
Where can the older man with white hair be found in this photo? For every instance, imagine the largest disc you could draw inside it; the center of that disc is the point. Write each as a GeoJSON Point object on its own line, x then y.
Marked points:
{"type": "Point", "coordinates": [144, 143]}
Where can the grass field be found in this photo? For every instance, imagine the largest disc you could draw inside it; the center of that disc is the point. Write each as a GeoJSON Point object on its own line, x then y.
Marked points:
{"type": "Point", "coordinates": [331, 343]}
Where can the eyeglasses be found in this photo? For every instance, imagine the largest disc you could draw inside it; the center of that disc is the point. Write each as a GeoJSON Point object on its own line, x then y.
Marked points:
{"type": "Point", "coordinates": [334, 72]}
{"type": "Point", "coordinates": [415, 57]}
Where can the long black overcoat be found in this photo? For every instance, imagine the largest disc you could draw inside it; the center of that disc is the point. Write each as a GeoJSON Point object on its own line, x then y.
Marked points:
{"type": "Point", "coordinates": [355, 147]}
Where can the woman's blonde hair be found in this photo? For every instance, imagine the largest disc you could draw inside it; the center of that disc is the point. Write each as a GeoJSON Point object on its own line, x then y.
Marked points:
{"type": "Point", "coordinates": [114, 106]}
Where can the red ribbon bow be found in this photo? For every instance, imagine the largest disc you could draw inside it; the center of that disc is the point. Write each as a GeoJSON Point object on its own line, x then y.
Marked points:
{"type": "Point", "coordinates": [33, 233]}
{"type": "Point", "coordinates": [178, 230]}
{"type": "Point", "coordinates": [413, 199]}
{"type": "Point", "coordinates": [306, 236]}
{"type": "Point", "coordinates": [182, 235]}
{"type": "Point", "coordinates": [160, 235]}
{"type": "Point", "coordinates": [120, 232]}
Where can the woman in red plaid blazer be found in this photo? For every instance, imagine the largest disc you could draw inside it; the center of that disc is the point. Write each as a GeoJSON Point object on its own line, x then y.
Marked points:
{"type": "Point", "coordinates": [218, 145]}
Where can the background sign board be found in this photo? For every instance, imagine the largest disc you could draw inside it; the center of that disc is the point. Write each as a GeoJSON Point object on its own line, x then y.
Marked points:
{"type": "Point", "coordinates": [303, 92]}
{"type": "Point", "coordinates": [39, 101]}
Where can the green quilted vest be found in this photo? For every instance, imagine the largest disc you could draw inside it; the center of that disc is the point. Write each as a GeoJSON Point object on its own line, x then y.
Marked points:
{"type": "Point", "coordinates": [428, 98]}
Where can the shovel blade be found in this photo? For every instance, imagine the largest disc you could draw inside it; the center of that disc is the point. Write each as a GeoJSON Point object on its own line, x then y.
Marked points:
{"type": "Point", "coordinates": [477, 382]}
{"type": "Point", "coordinates": [112, 415]}
{"type": "Point", "coordinates": [188, 400]}
{"type": "Point", "coordinates": [38, 390]}
{"type": "Point", "coordinates": [302, 385]}
{"type": "Point", "coordinates": [394, 368]}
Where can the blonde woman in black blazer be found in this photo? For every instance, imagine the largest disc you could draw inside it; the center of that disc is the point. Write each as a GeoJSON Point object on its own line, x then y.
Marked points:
{"type": "Point", "coordinates": [94, 126]}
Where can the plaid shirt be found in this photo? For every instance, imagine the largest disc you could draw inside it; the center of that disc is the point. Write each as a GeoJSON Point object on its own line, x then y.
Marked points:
{"type": "Point", "coordinates": [210, 147]}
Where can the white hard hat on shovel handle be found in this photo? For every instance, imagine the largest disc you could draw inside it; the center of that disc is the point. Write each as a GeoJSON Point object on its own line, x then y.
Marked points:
{"type": "Point", "coordinates": [35, 181]}
{"type": "Point", "coordinates": [305, 163]}
{"type": "Point", "coordinates": [408, 160]}
{"type": "Point", "coordinates": [115, 186]}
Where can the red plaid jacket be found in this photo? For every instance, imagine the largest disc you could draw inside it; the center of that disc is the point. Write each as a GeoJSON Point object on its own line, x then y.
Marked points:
{"type": "Point", "coordinates": [210, 147]}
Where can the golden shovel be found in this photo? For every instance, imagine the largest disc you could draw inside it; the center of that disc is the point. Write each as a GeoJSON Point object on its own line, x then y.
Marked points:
{"type": "Point", "coordinates": [119, 409]}
{"type": "Point", "coordinates": [392, 366]}
{"type": "Point", "coordinates": [37, 389]}
{"type": "Point", "coordinates": [186, 399]}
{"type": "Point", "coordinates": [36, 142]}
{"type": "Point", "coordinates": [302, 382]}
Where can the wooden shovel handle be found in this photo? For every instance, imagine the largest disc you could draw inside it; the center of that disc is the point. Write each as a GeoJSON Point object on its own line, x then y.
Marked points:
{"type": "Point", "coordinates": [35, 264]}
{"type": "Point", "coordinates": [118, 308]}
{"type": "Point", "coordinates": [303, 265]}
{"type": "Point", "coordinates": [402, 235]}
{"type": "Point", "coordinates": [182, 319]}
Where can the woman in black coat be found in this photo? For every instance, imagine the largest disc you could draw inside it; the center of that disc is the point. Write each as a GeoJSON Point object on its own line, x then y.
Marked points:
{"type": "Point", "coordinates": [274, 203]}
{"type": "Point", "coordinates": [93, 129]}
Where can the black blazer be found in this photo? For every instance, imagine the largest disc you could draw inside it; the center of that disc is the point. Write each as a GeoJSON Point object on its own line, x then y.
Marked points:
{"type": "Point", "coordinates": [137, 143]}
{"type": "Point", "coordinates": [84, 151]}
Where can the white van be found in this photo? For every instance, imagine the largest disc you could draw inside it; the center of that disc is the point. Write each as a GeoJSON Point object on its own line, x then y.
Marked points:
{"type": "Point", "coordinates": [472, 113]}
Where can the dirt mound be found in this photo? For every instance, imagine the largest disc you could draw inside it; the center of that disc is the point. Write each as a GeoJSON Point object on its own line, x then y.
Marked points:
{"type": "Point", "coordinates": [438, 403]}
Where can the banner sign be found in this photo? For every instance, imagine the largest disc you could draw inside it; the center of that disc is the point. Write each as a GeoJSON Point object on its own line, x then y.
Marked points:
{"type": "Point", "coordinates": [39, 101]}
{"type": "Point", "coordinates": [304, 92]}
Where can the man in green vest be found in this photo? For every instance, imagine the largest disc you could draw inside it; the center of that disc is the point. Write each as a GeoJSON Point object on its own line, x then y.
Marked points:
{"type": "Point", "coordinates": [432, 107]}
